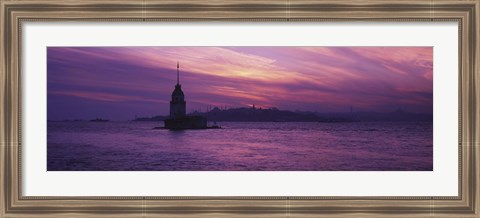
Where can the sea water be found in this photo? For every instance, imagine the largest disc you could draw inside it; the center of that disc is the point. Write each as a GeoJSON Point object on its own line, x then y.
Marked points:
{"type": "Point", "coordinates": [241, 146]}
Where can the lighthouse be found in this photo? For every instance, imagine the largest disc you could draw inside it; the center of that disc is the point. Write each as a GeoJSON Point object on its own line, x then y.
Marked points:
{"type": "Point", "coordinates": [177, 103]}
{"type": "Point", "coordinates": [178, 119]}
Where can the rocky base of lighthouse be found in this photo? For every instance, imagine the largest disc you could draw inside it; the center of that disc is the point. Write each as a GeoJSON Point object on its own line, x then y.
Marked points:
{"type": "Point", "coordinates": [186, 122]}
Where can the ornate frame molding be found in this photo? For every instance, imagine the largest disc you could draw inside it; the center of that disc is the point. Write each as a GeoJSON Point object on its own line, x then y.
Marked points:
{"type": "Point", "coordinates": [13, 13]}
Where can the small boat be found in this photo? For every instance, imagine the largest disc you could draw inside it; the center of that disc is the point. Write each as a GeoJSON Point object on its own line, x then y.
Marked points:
{"type": "Point", "coordinates": [99, 120]}
{"type": "Point", "coordinates": [215, 126]}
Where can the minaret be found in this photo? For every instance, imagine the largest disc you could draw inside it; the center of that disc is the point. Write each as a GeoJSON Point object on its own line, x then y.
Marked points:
{"type": "Point", "coordinates": [177, 104]}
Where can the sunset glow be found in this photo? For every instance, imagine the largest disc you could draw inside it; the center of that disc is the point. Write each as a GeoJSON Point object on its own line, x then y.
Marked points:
{"type": "Point", "coordinates": [120, 83]}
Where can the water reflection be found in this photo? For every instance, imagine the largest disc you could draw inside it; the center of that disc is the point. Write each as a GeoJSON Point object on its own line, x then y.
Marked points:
{"type": "Point", "coordinates": [241, 146]}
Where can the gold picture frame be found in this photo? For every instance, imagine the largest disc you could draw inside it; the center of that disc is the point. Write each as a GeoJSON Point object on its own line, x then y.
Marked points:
{"type": "Point", "coordinates": [15, 12]}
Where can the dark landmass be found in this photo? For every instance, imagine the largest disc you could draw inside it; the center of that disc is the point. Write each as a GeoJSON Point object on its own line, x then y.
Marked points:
{"type": "Point", "coordinates": [276, 115]}
{"type": "Point", "coordinates": [155, 118]}
{"type": "Point", "coordinates": [76, 120]}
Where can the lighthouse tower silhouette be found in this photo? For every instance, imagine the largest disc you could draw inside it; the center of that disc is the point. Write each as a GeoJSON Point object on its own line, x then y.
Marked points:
{"type": "Point", "coordinates": [178, 119]}
{"type": "Point", "coordinates": [178, 103]}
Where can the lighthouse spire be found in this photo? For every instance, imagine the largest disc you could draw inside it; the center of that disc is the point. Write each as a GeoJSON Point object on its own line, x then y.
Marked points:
{"type": "Point", "coordinates": [178, 74]}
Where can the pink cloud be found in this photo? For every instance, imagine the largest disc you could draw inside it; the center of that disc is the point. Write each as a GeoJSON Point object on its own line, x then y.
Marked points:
{"type": "Point", "coordinates": [100, 96]}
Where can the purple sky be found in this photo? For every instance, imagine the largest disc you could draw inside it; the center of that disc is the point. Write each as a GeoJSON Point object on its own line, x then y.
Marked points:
{"type": "Point", "coordinates": [119, 83]}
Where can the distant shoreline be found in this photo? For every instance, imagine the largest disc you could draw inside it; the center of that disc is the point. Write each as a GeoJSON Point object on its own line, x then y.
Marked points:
{"type": "Point", "coordinates": [275, 115]}
{"type": "Point", "coordinates": [156, 121]}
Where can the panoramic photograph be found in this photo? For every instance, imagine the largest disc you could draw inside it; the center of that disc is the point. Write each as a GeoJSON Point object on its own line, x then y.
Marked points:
{"type": "Point", "coordinates": [240, 108]}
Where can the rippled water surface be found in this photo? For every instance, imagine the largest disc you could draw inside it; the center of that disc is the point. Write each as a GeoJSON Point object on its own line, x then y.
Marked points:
{"type": "Point", "coordinates": [241, 146]}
